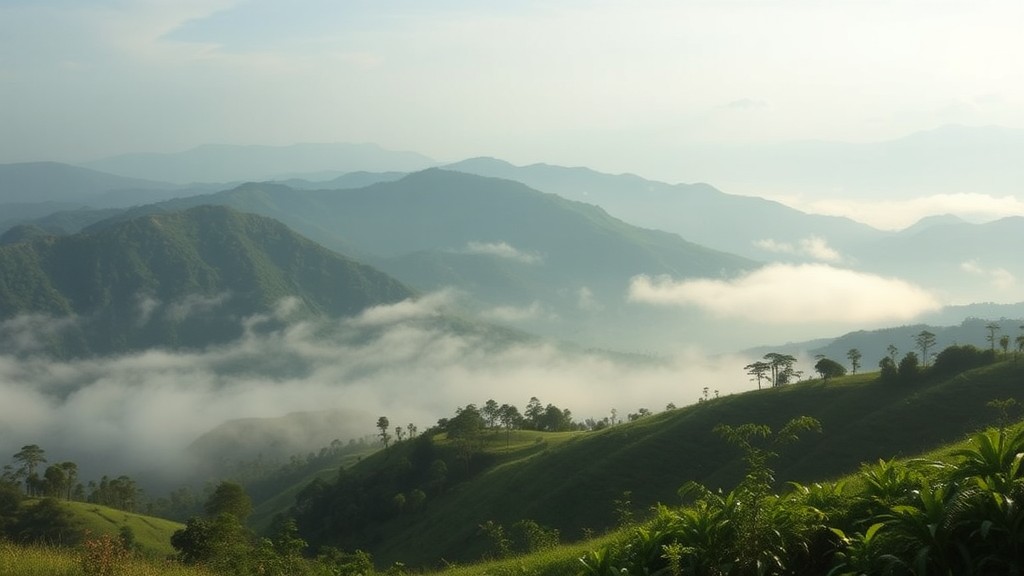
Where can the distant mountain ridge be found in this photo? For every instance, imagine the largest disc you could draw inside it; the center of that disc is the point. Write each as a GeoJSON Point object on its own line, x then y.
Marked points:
{"type": "Point", "coordinates": [236, 163]}
{"type": "Point", "coordinates": [535, 260]}
{"type": "Point", "coordinates": [33, 182]}
{"type": "Point", "coordinates": [179, 279]}
{"type": "Point", "coordinates": [698, 212]}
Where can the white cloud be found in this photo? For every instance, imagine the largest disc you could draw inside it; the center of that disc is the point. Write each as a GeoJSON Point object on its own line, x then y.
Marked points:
{"type": "Point", "coordinates": [788, 294]}
{"type": "Point", "coordinates": [514, 313]}
{"type": "Point", "coordinates": [128, 414]}
{"type": "Point", "coordinates": [899, 214]}
{"type": "Point", "coordinates": [587, 301]}
{"type": "Point", "coordinates": [501, 250]}
{"type": "Point", "coordinates": [1000, 278]}
{"type": "Point", "coordinates": [814, 247]}
{"type": "Point", "coordinates": [195, 304]}
{"type": "Point", "coordinates": [412, 308]}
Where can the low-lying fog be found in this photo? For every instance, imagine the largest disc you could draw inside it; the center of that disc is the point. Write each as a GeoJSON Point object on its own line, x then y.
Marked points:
{"type": "Point", "coordinates": [139, 412]}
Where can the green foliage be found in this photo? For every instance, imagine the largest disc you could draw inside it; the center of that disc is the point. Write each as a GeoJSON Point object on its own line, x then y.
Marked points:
{"type": "Point", "coordinates": [206, 252]}
{"type": "Point", "coordinates": [229, 498]}
{"type": "Point", "coordinates": [45, 521]}
{"type": "Point", "coordinates": [917, 517]}
{"type": "Point", "coordinates": [827, 368]}
{"type": "Point", "coordinates": [569, 481]}
{"type": "Point", "coordinates": [956, 359]}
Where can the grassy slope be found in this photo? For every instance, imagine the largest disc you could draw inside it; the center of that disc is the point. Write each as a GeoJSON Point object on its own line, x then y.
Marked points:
{"type": "Point", "coordinates": [956, 405]}
{"type": "Point", "coordinates": [43, 561]}
{"type": "Point", "coordinates": [571, 481]}
{"type": "Point", "coordinates": [153, 535]}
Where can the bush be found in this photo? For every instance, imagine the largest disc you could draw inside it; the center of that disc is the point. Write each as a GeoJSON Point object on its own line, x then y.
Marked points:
{"type": "Point", "coordinates": [956, 359]}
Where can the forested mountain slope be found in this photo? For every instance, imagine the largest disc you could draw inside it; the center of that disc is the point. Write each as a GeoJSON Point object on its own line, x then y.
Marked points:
{"type": "Point", "coordinates": [177, 279]}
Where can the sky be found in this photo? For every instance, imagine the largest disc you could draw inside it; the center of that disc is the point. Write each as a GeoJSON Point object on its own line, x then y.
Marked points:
{"type": "Point", "coordinates": [617, 86]}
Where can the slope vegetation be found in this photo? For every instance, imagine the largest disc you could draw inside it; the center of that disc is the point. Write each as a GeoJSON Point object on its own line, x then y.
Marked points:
{"type": "Point", "coordinates": [572, 482]}
{"type": "Point", "coordinates": [178, 279]}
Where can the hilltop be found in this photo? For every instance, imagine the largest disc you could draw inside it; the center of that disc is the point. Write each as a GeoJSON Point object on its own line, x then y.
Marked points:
{"type": "Point", "coordinates": [183, 279]}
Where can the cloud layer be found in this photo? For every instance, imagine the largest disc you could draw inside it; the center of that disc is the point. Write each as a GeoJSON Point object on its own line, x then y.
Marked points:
{"type": "Point", "coordinates": [139, 412]}
{"type": "Point", "coordinates": [502, 250]}
{"type": "Point", "coordinates": [788, 294]}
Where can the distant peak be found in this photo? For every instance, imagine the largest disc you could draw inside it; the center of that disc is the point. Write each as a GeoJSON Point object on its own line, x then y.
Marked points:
{"type": "Point", "coordinates": [935, 220]}
{"type": "Point", "coordinates": [479, 162]}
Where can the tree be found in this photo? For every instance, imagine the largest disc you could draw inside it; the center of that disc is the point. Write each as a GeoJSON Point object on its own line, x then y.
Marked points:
{"type": "Point", "coordinates": [1004, 343]}
{"type": "Point", "coordinates": [1020, 343]}
{"type": "Point", "coordinates": [490, 412]}
{"type": "Point", "coordinates": [229, 498]}
{"type": "Point", "coordinates": [854, 355]}
{"type": "Point", "coordinates": [909, 370]}
{"type": "Point", "coordinates": [758, 371]}
{"type": "Point", "coordinates": [829, 369]}
{"type": "Point", "coordinates": [383, 424]}
{"type": "Point", "coordinates": [510, 419]}
{"type": "Point", "coordinates": [399, 433]}
{"type": "Point", "coordinates": [888, 370]}
{"type": "Point", "coordinates": [992, 328]}
{"type": "Point", "coordinates": [533, 412]}
{"type": "Point", "coordinates": [56, 481]}
{"type": "Point", "coordinates": [924, 341]}
{"type": "Point", "coordinates": [71, 475]}
{"type": "Point", "coordinates": [30, 457]}
{"type": "Point", "coordinates": [781, 366]}
{"type": "Point", "coordinates": [892, 351]}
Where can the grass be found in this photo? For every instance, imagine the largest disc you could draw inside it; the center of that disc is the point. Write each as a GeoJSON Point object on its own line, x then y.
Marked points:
{"type": "Point", "coordinates": [46, 561]}
{"type": "Point", "coordinates": [152, 535]}
{"type": "Point", "coordinates": [571, 481]}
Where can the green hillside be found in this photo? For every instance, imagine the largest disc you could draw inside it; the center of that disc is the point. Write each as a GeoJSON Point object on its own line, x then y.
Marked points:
{"type": "Point", "coordinates": [570, 482]}
{"type": "Point", "coordinates": [179, 279]}
{"type": "Point", "coordinates": [152, 535]}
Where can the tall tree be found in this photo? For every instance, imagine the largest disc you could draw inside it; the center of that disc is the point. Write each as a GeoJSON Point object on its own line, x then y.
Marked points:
{"type": "Point", "coordinates": [992, 328]}
{"type": "Point", "coordinates": [854, 355]}
{"type": "Point", "coordinates": [383, 424]}
{"type": "Point", "coordinates": [924, 341]}
{"type": "Point", "coordinates": [490, 412]}
{"type": "Point", "coordinates": [30, 457]}
{"type": "Point", "coordinates": [781, 368]}
{"type": "Point", "coordinates": [532, 414]}
{"type": "Point", "coordinates": [1004, 343]}
{"type": "Point", "coordinates": [892, 351]}
{"type": "Point", "coordinates": [758, 371]}
{"type": "Point", "coordinates": [71, 474]}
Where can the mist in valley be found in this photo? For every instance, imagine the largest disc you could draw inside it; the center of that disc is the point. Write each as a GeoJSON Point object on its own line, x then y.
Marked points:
{"type": "Point", "coordinates": [138, 413]}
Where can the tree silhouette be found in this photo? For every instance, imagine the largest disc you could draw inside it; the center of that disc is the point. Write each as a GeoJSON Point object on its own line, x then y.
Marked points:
{"type": "Point", "coordinates": [992, 328]}
{"type": "Point", "coordinates": [781, 366]}
{"type": "Point", "coordinates": [854, 355]}
{"type": "Point", "coordinates": [383, 424]}
{"type": "Point", "coordinates": [758, 371]}
{"type": "Point", "coordinates": [829, 369]}
{"type": "Point", "coordinates": [30, 457]}
{"type": "Point", "coordinates": [924, 341]}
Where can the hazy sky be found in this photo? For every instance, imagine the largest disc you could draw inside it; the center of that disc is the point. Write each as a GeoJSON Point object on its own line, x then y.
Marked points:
{"type": "Point", "coordinates": [618, 86]}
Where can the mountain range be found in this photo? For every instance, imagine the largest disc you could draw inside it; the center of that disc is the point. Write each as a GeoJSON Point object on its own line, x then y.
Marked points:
{"type": "Point", "coordinates": [232, 163]}
{"type": "Point", "coordinates": [517, 265]}
{"type": "Point", "coordinates": [177, 279]}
